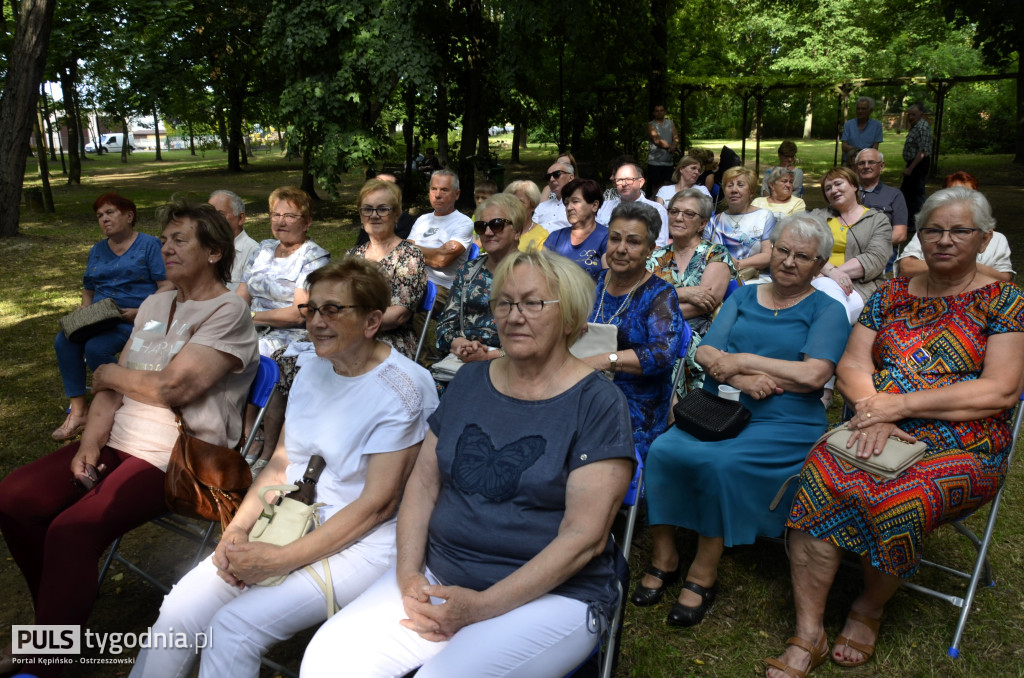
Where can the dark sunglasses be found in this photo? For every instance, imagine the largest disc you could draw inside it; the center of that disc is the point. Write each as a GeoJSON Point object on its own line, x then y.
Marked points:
{"type": "Point", "coordinates": [496, 225]}
{"type": "Point", "coordinates": [557, 174]}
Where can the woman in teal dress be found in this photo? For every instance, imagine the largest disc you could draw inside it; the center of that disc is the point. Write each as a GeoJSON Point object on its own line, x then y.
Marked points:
{"type": "Point", "coordinates": [778, 343]}
{"type": "Point", "coordinates": [645, 310]}
{"type": "Point", "coordinates": [699, 270]}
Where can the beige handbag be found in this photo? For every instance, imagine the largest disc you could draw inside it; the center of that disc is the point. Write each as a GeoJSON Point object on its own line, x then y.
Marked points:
{"type": "Point", "coordinates": [282, 523]}
{"type": "Point", "coordinates": [895, 458]}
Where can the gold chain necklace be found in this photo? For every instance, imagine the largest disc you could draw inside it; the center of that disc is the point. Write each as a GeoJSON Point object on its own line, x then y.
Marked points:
{"type": "Point", "coordinates": [778, 306]}
{"type": "Point", "coordinates": [622, 306]}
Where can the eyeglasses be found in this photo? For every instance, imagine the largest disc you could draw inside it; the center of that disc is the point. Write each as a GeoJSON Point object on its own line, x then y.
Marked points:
{"type": "Point", "coordinates": [379, 210]}
{"type": "Point", "coordinates": [627, 180]}
{"type": "Point", "coordinates": [557, 174]}
{"type": "Point", "coordinates": [528, 308]}
{"type": "Point", "coordinates": [327, 311]}
{"type": "Point", "coordinates": [868, 163]}
{"type": "Point", "coordinates": [287, 216]}
{"type": "Point", "coordinates": [801, 258]}
{"type": "Point", "coordinates": [496, 225]}
{"type": "Point", "coordinates": [689, 214]}
{"type": "Point", "coordinates": [930, 234]}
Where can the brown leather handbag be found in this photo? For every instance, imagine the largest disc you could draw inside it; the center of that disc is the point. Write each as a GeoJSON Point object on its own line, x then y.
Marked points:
{"type": "Point", "coordinates": [204, 480]}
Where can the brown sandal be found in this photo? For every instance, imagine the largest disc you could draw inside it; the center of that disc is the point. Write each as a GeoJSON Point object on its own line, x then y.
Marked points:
{"type": "Point", "coordinates": [863, 648]}
{"type": "Point", "coordinates": [818, 656]}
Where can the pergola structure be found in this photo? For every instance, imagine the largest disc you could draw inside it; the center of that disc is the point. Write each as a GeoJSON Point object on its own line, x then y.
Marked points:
{"type": "Point", "coordinates": [758, 89]}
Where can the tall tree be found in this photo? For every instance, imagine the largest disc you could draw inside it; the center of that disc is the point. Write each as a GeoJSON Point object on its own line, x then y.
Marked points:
{"type": "Point", "coordinates": [18, 104]}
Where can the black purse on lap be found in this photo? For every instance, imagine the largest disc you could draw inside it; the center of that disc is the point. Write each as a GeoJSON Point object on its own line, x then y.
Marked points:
{"type": "Point", "coordinates": [708, 417]}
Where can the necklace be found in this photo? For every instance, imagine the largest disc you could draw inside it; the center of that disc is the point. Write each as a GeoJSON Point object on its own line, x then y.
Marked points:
{"type": "Point", "coordinates": [928, 287]}
{"type": "Point", "coordinates": [736, 222]}
{"type": "Point", "coordinates": [780, 307]}
{"type": "Point", "coordinates": [544, 388]}
{"type": "Point", "coordinates": [625, 302]}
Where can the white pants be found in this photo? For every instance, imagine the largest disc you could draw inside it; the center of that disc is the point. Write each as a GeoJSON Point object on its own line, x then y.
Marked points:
{"type": "Point", "coordinates": [549, 636]}
{"type": "Point", "coordinates": [240, 625]}
{"type": "Point", "coordinates": [853, 303]}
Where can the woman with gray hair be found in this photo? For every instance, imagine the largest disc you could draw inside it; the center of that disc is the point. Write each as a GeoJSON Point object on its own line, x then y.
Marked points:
{"type": "Point", "coordinates": [937, 358]}
{"type": "Point", "coordinates": [777, 343]}
{"type": "Point", "coordinates": [699, 270]}
{"type": "Point", "coordinates": [526, 192]}
{"type": "Point", "coordinates": [645, 309]}
{"type": "Point", "coordinates": [780, 201]}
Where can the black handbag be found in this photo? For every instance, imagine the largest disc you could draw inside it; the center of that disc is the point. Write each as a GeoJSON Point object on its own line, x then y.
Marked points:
{"type": "Point", "coordinates": [708, 417]}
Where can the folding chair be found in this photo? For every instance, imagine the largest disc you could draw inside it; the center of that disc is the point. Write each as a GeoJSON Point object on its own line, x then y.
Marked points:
{"type": "Point", "coordinates": [262, 388]}
{"type": "Point", "coordinates": [473, 252]}
{"type": "Point", "coordinates": [427, 306]}
{"type": "Point", "coordinates": [982, 572]}
{"type": "Point", "coordinates": [734, 284]}
{"type": "Point", "coordinates": [684, 348]}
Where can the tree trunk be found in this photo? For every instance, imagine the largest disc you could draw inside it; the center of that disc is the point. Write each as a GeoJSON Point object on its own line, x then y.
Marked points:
{"type": "Point", "coordinates": [517, 134]}
{"type": "Point", "coordinates": [191, 138]}
{"type": "Point", "coordinates": [441, 124]}
{"type": "Point", "coordinates": [222, 129]}
{"type": "Point", "coordinates": [809, 115]}
{"type": "Point", "coordinates": [1018, 158]}
{"type": "Point", "coordinates": [473, 80]}
{"type": "Point", "coordinates": [44, 167]}
{"type": "Point", "coordinates": [308, 182]}
{"type": "Point", "coordinates": [124, 142]}
{"type": "Point", "coordinates": [18, 104]}
{"type": "Point", "coordinates": [408, 135]}
{"type": "Point", "coordinates": [67, 86]}
{"type": "Point", "coordinates": [49, 124]}
{"type": "Point", "coordinates": [657, 82]}
{"type": "Point", "coordinates": [156, 129]}
{"type": "Point", "coordinates": [235, 100]}
{"type": "Point", "coordinates": [77, 102]}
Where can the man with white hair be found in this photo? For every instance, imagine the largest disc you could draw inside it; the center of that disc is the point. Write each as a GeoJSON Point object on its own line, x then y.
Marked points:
{"type": "Point", "coordinates": [232, 208]}
{"type": "Point", "coordinates": [862, 131]}
{"type": "Point", "coordinates": [629, 182]}
{"type": "Point", "coordinates": [869, 164]}
{"type": "Point", "coordinates": [551, 213]}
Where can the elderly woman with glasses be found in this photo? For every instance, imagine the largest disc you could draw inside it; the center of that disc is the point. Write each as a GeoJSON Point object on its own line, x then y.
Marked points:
{"type": "Point", "coordinates": [699, 270]}
{"type": "Point", "coordinates": [274, 284]}
{"type": "Point", "coordinates": [401, 262]}
{"type": "Point", "coordinates": [937, 358]}
{"type": "Point", "coordinates": [505, 566]}
{"type": "Point", "coordinates": [780, 201]}
{"type": "Point", "coordinates": [777, 343]}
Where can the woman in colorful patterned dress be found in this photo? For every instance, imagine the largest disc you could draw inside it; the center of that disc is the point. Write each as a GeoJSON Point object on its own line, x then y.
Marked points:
{"type": "Point", "coordinates": [938, 358]}
{"type": "Point", "coordinates": [380, 203]}
{"type": "Point", "coordinates": [699, 270]}
{"type": "Point", "coordinates": [645, 310]}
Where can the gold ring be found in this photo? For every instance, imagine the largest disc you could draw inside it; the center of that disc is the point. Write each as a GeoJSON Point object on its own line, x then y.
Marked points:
{"type": "Point", "coordinates": [760, 394]}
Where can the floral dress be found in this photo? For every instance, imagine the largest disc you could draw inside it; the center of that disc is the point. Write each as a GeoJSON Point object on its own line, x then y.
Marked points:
{"type": "Point", "coordinates": [477, 322]}
{"type": "Point", "coordinates": [663, 264]}
{"type": "Point", "coordinates": [651, 324]}
{"type": "Point", "coordinates": [921, 343]}
{"type": "Point", "coordinates": [406, 272]}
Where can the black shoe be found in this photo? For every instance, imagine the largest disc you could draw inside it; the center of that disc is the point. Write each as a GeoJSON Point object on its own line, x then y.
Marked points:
{"type": "Point", "coordinates": [684, 615]}
{"type": "Point", "coordinates": [645, 597]}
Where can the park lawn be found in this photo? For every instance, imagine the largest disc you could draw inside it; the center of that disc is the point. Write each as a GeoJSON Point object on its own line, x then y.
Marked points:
{"type": "Point", "coordinates": [754, 615]}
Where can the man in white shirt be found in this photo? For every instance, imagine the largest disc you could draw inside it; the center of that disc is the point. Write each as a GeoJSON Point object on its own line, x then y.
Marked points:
{"type": "Point", "coordinates": [444, 235]}
{"type": "Point", "coordinates": [232, 208]}
{"type": "Point", "coordinates": [629, 181]}
{"type": "Point", "coordinates": [551, 212]}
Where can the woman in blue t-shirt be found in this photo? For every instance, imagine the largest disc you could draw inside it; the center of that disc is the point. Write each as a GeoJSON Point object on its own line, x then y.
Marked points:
{"type": "Point", "coordinates": [504, 557]}
{"type": "Point", "coordinates": [126, 267]}
{"type": "Point", "coordinates": [585, 241]}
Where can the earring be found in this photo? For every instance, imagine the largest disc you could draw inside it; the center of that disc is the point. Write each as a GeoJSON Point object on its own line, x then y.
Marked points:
{"type": "Point", "coordinates": [211, 260]}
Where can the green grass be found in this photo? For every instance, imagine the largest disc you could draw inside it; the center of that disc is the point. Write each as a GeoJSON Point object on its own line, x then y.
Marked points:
{"type": "Point", "coordinates": [754, 616]}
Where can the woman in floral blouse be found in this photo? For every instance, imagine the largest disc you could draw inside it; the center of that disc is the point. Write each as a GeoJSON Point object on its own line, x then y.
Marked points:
{"type": "Point", "coordinates": [698, 269]}
{"type": "Point", "coordinates": [380, 203]}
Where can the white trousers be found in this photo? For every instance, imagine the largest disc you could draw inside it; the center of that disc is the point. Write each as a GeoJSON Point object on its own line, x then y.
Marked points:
{"type": "Point", "coordinates": [240, 625]}
{"type": "Point", "coordinates": [854, 303]}
{"type": "Point", "coordinates": [549, 636]}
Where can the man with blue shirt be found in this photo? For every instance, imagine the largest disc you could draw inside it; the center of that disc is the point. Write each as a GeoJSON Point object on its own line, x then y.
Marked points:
{"type": "Point", "coordinates": [862, 131]}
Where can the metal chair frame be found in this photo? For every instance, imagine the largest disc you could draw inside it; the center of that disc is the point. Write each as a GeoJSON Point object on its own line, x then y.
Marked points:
{"type": "Point", "coordinates": [262, 388]}
{"type": "Point", "coordinates": [427, 306]}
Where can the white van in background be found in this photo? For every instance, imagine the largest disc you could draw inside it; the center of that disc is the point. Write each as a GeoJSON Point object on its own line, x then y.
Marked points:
{"type": "Point", "coordinates": [113, 142]}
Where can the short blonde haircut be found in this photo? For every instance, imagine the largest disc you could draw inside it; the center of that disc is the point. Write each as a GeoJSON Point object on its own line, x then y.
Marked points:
{"type": "Point", "coordinates": [389, 187]}
{"type": "Point", "coordinates": [294, 195]}
{"type": "Point", "coordinates": [527, 188]}
{"type": "Point", "coordinates": [739, 171]}
{"type": "Point", "coordinates": [573, 288]}
{"type": "Point", "coordinates": [510, 205]}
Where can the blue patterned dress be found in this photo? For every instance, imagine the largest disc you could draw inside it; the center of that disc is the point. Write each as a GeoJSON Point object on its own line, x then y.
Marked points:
{"type": "Point", "coordinates": [650, 324]}
{"type": "Point", "coordinates": [920, 343]}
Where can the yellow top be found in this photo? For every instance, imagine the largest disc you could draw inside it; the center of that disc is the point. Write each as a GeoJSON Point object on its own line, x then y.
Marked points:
{"type": "Point", "coordinates": [535, 237]}
{"type": "Point", "coordinates": [839, 230]}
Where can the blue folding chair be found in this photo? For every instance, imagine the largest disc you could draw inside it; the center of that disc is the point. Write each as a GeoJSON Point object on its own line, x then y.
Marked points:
{"type": "Point", "coordinates": [733, 285]}
{"type": "Point", "coordinates": [473, 252]}
{"type": "Point", "coordinates": [267, 376]}
{"type": "Point", "coordinates": [684, 348]}
{"type": "Point", "coordinates": [982, 571]}
{"type": "Point", "coordinates": [427, 306]}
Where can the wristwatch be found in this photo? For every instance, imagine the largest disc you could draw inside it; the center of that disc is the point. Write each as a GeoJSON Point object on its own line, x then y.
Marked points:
{"type": "Point", "coordinates": [613, 358]}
